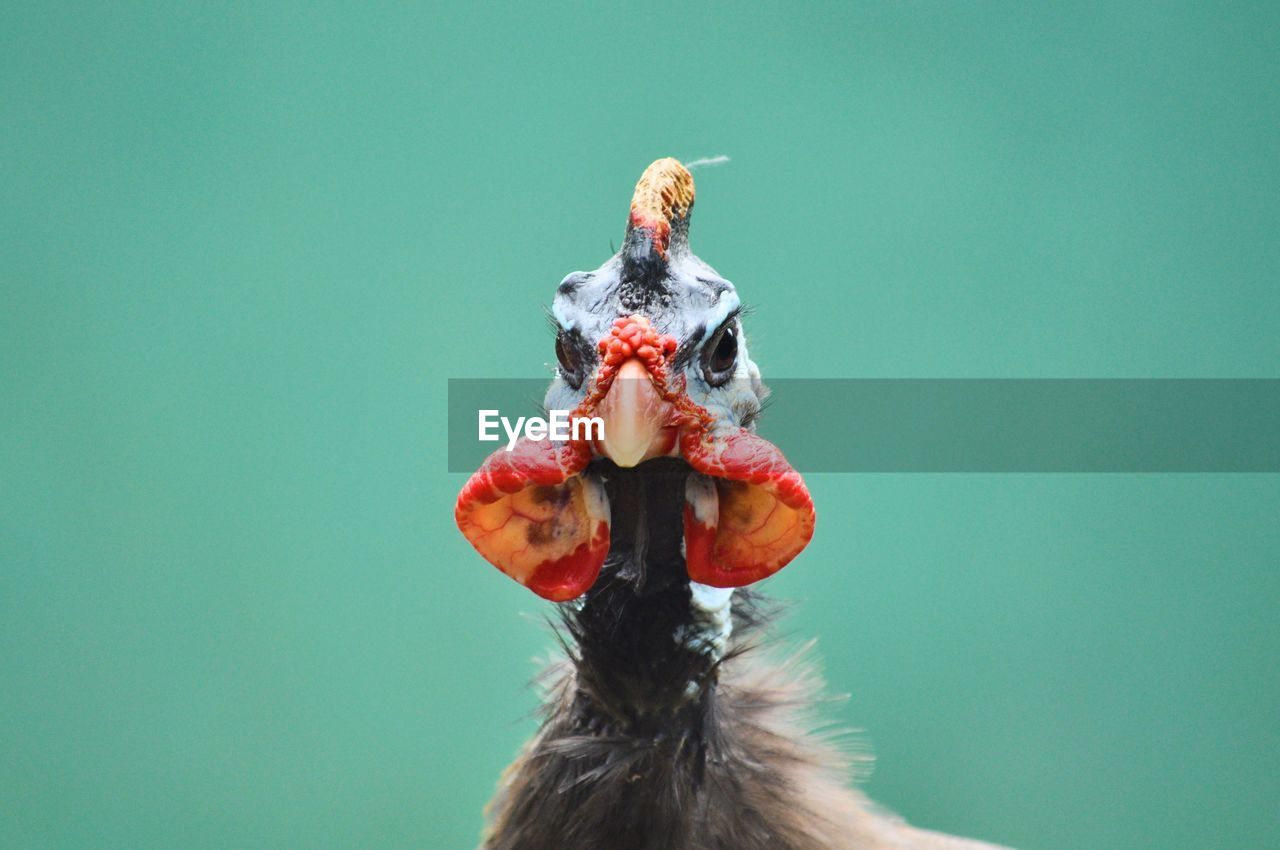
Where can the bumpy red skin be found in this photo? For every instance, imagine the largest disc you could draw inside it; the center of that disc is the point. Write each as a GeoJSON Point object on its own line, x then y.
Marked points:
{"type": "Point", "coordinates": [737, 455]}
{"type": "Point", "coordinates": [632, 336]}
{"type": "Point", "coordinates": [749, 458]}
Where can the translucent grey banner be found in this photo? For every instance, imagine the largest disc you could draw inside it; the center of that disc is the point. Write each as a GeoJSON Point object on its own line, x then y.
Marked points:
{"type": "Point", "coordinates": [971, 425]}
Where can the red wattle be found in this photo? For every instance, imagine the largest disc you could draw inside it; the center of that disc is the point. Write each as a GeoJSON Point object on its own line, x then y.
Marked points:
{"type": "Point", "coordinates": [765, 514]}
{"type": "Point", "coordinates": [531, 514]}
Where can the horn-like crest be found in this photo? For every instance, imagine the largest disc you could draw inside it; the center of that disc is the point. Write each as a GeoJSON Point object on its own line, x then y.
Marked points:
{"type": "Point", "coordinates": [660, 210]}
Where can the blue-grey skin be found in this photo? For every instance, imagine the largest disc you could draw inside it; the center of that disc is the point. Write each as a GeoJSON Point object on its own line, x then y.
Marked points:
{"type": "Point", "coordinates": [685, 298]}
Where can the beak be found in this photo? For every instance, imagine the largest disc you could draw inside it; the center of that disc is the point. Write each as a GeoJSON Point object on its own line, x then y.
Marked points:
{"type": "Point", "coordinates": [637, 421]}
{"type": "Point", "coordinates": [541, 517]}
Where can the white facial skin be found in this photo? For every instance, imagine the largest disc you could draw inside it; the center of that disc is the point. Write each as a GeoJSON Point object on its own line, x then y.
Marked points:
{"type": "Point", "coordinates": [691, 303]}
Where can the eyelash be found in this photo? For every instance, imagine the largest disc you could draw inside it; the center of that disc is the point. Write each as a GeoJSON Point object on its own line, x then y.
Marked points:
{"type": "Point", "coordinates": [715, 351]}
{"type": "Point", "coordinates": [569, 357]}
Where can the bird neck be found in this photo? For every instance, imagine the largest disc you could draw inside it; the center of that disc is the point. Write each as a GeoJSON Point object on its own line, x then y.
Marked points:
{"type": "Point", "coordinates": [647, 663]}
{"type": "Point", "coordinates": [648, 641]}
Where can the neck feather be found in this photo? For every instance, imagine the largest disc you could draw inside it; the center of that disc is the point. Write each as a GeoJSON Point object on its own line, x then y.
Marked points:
{"type": "Point", "coordinates": [648, 642]}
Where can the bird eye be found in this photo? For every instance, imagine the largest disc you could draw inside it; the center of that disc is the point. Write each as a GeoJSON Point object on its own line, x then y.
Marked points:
{"type": "Point", "coordinates": [570, 360]}
{"type": "Point", "coordinates": [721, 355]}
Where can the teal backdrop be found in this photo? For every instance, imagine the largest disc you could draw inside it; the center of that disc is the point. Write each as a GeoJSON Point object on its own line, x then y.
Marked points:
{"type": "Point", "coordinates": [243, 246]}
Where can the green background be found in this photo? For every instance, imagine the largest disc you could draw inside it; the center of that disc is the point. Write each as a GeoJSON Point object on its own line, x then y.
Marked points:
{"type": "Point", "coordinates": [243, 246]}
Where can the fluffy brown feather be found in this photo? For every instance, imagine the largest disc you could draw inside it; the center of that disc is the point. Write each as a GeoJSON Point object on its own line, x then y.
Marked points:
{"type": "Point", "coordinates": [760, 777]}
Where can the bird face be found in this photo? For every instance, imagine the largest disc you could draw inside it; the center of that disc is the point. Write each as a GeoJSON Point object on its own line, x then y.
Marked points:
{"type": "Point", "coordinates": [651, 343]}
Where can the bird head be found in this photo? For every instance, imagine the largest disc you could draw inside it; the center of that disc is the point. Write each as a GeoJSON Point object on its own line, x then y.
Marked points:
{"type": "Point", "coordinates": [651, 346]}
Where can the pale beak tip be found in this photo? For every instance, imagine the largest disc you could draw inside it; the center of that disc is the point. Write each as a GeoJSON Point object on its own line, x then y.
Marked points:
{"type": "Point", "coordinates": [625, 456]}
{"type": "Point", "coordinates": [633, 415]}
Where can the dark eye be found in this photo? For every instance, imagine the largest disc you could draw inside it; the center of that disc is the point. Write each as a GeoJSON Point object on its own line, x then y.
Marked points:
{"type": "Point", "coordinates": [569, 358]}
{"type": "Point", "coordinates": [721, 355]}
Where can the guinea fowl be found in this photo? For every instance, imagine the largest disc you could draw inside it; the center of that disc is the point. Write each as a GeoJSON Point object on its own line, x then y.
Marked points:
{"type": "Point", "coordinates": [663, 726]}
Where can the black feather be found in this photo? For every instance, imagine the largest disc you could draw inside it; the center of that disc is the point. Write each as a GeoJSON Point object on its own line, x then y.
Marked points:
{"type": "Point", "coordinates": [647, 740]}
